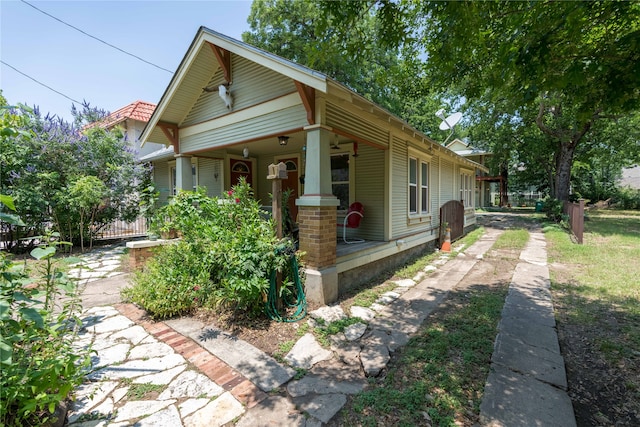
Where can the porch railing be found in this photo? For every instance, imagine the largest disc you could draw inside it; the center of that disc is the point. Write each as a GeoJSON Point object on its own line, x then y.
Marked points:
{"type": "Point", "coordinates": [121, 229]}
{"type": "Point", "coordinates": [575, 212]}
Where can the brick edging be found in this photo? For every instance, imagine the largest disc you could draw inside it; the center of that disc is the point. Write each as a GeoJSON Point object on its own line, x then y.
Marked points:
{"type": "Point", "coordinates": [210, 365]}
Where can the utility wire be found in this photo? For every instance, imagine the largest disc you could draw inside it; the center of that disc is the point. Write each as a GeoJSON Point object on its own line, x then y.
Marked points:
{"type": "Point", "coordinates": [96, 38]}
{"type": "Point", "coordinates": [40, 83]}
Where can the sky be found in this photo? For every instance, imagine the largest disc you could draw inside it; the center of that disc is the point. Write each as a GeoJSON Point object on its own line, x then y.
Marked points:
{"type": "Point", "coordinates": [83, 68]}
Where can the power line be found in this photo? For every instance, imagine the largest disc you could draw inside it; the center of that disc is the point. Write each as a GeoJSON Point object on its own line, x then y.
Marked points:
{"type": "Point", "coordinates": [40, 83]}
{"type": "Point", "coordinates": [96, 38]}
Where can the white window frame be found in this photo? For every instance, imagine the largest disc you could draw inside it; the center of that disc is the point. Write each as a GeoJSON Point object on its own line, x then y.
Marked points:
{"type": "Point", "coordinates": [172, 175]}
{"type": "Point", "coordinates": [424, 189]}
{"type": "Point", "coordinates": [349, 182]}
{"type": "Point", "coordinates": [467, 186]}
{"type": "Point", "coordinates": [420, 187]}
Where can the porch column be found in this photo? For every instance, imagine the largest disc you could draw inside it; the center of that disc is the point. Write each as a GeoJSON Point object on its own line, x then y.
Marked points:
{"type": "Point", "coordinates": [184, 175]}
{"type": "Point", "coordinates": [317, 219]}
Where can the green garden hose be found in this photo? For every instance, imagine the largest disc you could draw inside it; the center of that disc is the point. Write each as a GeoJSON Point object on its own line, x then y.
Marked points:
{"type": "Point", "coordinates": [300, 301]}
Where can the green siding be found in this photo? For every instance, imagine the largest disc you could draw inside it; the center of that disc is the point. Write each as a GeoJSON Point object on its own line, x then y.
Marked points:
{"type": "Point", "coordinates": [369, 190]}
{"type": "Point", "coordinates": [207, 169]}
{"type": "Point", "coordinates": [447, 190]}
{"type": "Point", "coordinates": [252, 84]}
{"type": "Point", "coordinates": [434, 184]}
{"type": "Point", "coordinates": [343, 119]}
{"type": "Point", "coordinates": [399, 189]}
{"type": "Point", "coordinates": [161, 177]}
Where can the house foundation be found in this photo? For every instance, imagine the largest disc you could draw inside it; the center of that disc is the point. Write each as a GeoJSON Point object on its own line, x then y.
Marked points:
{"type": "Point", "coordinates": [318, 239]}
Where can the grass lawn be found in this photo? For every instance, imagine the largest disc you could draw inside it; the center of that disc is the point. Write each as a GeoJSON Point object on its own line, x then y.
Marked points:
{"type": "Point", "coordinates": [596, 290]}
{"type": "Point", "coordinates": [439, 376]}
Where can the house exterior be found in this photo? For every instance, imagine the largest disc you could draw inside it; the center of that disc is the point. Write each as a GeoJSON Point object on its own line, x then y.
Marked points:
{"type": "Point", "coordinates": [483, 181]}
{"type": "Point", "coordinates": [231, 110]}
{"type": "Point", "coordinates": [132, 119]}
{"type": "Point", "coordinates": [631, 178]}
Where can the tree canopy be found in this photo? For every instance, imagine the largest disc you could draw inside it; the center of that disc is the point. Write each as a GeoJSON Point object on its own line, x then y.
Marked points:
{"type": "Point", "coordinates": [560, 66]}
{"type": "Point", "coordinates": [390, 76]}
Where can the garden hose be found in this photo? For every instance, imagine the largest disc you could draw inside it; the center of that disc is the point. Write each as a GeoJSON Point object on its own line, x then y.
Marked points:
{"type": "Point", "coordinates": [300, 302]}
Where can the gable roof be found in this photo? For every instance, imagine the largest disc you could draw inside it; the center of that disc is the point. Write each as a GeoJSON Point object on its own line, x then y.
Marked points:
{"type": "Point", "coordinates": [195, 62]}
{"type": "Point", "coordinates": [465, 149]}
{"type": "Point", "coordinates": [194, 73]}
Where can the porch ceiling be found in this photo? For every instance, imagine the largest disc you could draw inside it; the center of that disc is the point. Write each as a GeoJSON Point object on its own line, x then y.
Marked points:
{"type": "Point", "coordinates": [266, 147]}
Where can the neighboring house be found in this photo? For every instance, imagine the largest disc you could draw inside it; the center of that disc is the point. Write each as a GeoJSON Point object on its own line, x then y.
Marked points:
{"type": "Point", "coordinates": [231, 110]}
{"type": "Point", "coordinates": [631, 178]}
{"type": "Point", "coordinates": [132, 119]}
{"type": "Point", "coordinates": [485, 185]}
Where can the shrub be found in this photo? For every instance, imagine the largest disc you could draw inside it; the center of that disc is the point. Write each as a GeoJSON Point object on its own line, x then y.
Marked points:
{"type": "Point", "coordinates": [553, 208]}
{"type": "Point", "coordinates": [627, 198]}
{"type": "Point", "coordinates": [227, 251]}
{"type": "Point", "coordinates": [39, 364]}
{"type": "Point", "coordinates": [174, 282]}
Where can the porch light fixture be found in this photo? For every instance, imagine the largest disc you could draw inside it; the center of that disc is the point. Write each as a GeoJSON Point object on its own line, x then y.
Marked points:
{"type": "Point", "coordinates": [283, 140]}
{"type": "Point", "coordinates": [335, 145]}
{"type": "Point", "coordinates": [245, 152]}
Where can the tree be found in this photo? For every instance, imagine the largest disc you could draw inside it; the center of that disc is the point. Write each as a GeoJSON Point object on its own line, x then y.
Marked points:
{"type": "Point", "coordinates": [388, 76]}
{"type": "Point", "coordinates": [573, 62]}
{"type": "Point", "coordinates": [85, 195]}
{"type": "Point", "coordinates": [46, 156]}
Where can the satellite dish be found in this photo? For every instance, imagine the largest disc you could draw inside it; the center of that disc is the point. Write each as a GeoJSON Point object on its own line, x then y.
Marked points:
{"type": "Point", "coordinates": [450, 122]}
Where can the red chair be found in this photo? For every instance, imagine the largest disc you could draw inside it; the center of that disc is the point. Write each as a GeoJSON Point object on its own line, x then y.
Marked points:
{"type": "Point", "coordinates": [352, 220]}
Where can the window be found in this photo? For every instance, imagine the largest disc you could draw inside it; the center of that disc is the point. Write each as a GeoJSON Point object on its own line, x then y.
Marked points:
{"type": "Point", "coordinates": [424, 187]}
{"type": "Point", "coordinates": [194, 176]}
{"type": "Point", "coordinates": [413, 186]}
{"type": "Point", "coordinates": [466, 188]}
{"type": "Point", "coordinates": [340, 179]}
{"type": "Point", "coordinates": [419, 203]}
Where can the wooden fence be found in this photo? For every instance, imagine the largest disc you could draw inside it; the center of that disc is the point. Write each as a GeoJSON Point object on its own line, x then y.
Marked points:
{"type": "Point", "coordinates": [452, 213]}
{"type": "Point", "coordinates": [575, 212]}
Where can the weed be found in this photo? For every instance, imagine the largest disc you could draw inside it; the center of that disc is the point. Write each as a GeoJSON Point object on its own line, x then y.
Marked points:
{"type": "Point", "coordinates": [512, 239]}
{"type": "Point", "coordinates": [300, 373]}
{"type": "Point", "coordinates": [139, 391]}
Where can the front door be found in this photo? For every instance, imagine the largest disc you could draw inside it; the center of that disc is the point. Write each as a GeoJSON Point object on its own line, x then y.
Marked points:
{"type": "Point", "coordinates": [292, 183]}
{"type": "Point", "coordinates": [241, 167]}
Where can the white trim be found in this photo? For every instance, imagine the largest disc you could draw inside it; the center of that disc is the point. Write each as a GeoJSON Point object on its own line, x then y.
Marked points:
{"type": "Point", "coordinates": [421, 158]}
{"type": "Point", "coordinates": [287, 101]}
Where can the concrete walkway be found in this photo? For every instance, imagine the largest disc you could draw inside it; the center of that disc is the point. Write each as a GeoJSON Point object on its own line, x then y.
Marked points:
{"type": "Point", "coordinates": [183, 372]}
{"type": "Point", "coordinates": [527, 383]}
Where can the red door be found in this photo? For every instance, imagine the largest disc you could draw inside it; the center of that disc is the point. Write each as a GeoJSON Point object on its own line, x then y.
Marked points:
{"type": "Point", "coordinates": [241, 167]}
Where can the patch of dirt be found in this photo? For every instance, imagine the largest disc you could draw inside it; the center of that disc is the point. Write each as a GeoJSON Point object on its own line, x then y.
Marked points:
{"type": "Point", "coordinates": [603, 376]}
{"type": "Point", "coordinates": [263, 333]}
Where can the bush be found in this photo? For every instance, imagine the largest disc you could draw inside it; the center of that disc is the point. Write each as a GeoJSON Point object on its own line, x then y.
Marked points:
{"type": "Point", "coordinates": [227, 251]}
{"type": "Point", "coordinates": [553, 208]}
{"type": "Point", "coordinates": [39, 364]}
{"type": "Point", "coordinates": [175, 281]}
{"type": "Point", "coordinates": [627, 198]}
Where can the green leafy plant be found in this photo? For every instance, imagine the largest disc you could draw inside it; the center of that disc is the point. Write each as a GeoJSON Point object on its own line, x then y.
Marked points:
{"type": "Point", "coordinates": [140, 391]}
{"type": "Point", "coordinates": [39, 365]}
{"type": "Point", "coordinates": [227, 251]}
{"type": "Point", "coordinates": [553, 209]}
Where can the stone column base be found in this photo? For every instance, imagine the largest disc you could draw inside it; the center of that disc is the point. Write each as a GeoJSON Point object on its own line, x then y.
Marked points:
{"type": "Point", "coordinates": [321, 286]}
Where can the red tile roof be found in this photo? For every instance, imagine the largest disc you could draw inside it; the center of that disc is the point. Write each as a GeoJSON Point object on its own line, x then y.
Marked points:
{"type": "Point", "coordinates": [138, 110]}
